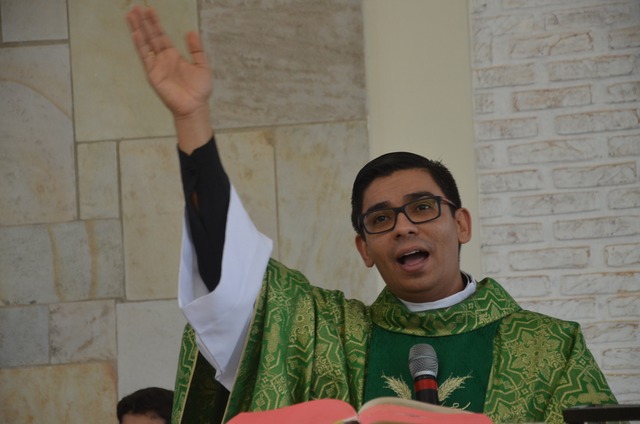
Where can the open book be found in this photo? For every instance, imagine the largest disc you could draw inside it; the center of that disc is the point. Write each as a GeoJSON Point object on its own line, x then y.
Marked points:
{"type": "Point", "coordinates": [387, 410]}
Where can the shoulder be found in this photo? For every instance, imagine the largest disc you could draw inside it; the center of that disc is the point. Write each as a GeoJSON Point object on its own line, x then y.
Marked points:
{"type": "Point", "coordinates": [535, 320]}
{"type": "Point", "coordinates": [296, 287]}
{"type": "Point", "coordinates": [278, 273]}
{"type": "Point", "coordinates": [525, 320]}
{"type": "Point", "coordinates": [522, 324]}
{"type": "Point", "coordinates": [288, 294]}
{"type": "Point", "coordinates": [531, 330]}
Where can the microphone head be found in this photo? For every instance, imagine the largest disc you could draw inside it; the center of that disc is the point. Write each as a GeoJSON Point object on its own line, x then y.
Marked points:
{"type": "Point", "coordinates": [423, 360]}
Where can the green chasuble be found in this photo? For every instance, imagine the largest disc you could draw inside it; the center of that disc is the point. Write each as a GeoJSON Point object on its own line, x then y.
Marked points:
{"type": "Point", "coordinates": [308, 343]}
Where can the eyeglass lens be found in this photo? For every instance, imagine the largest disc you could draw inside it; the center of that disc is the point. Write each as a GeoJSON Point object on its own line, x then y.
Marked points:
{"type": "Point", "coordinates": [418, 211]}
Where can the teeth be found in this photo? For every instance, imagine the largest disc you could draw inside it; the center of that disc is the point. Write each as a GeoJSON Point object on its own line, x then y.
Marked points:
{"type": "Point", "coordinates": [403, 258]}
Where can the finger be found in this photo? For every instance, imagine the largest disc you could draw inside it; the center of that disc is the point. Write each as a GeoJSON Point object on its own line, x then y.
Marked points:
{"type": "Point", "coordinates": [139, 36]}
{"type": "Point", "coordinates": [133, 18]}
{"type": "Point", "coordinates": [157, 38]}
{"type": "Point", "coordinates": [196, 49]}
{"type": "Point", "coordinates": [145, 53]}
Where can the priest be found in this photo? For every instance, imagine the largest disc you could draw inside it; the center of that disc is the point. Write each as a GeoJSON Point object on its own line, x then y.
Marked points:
{"type": "Point", "coordinates": [261, 336]}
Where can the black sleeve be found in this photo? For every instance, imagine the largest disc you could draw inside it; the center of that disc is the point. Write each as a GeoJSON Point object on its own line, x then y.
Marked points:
{"type": "Point", "coordinates": [206, 191]}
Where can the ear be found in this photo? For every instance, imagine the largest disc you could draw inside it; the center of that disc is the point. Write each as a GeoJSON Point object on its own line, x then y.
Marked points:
{"type": "Point", "coordinates": [363, 249]}
{"type": "Point", "coordinates": [463, 225]}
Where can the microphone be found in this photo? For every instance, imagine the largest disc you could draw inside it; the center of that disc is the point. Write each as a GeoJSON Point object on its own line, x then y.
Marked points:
{"type": "Point", "coordinates": [423, 364]}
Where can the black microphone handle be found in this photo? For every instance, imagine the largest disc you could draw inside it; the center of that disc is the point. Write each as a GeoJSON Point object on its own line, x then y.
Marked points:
{"type": "Point", "coordinates": [426, 388]}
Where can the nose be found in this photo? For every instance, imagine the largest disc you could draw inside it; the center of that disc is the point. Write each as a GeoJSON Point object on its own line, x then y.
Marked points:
{"type": "Point", "coordinates": [404, 226]}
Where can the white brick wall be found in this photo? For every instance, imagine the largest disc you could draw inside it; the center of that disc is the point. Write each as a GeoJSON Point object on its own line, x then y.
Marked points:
{"type": "Point", "coordinates": [557, 128]}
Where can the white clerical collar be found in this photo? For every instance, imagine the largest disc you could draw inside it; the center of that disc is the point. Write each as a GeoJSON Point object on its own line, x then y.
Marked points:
{"type": "Point", "coordinates": [469, 289]}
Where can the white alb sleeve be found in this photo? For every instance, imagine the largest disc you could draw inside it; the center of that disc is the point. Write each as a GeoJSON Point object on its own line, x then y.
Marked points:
{"type": "Point", "coordinates": [221, 318]}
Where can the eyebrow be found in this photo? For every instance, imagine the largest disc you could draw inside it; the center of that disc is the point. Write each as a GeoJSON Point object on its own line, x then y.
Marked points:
{"type": "Point", "coordinates": [406, 198]}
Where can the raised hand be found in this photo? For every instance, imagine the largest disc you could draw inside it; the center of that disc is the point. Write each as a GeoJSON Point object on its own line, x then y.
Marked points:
{"type": "Point", "coordinates": [183, 86]}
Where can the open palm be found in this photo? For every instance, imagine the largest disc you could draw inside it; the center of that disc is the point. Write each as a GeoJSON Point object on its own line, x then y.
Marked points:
{"type": "Point", "coordinates": [183, 86]}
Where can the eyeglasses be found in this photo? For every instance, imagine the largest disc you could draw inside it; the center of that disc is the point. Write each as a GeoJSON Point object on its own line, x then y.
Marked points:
{"type": "Point", "coordinates": [418, 211]}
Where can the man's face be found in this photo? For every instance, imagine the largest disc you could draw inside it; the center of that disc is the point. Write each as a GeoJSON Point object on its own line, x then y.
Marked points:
{"type": "Point", "coordinates": [418, 262]}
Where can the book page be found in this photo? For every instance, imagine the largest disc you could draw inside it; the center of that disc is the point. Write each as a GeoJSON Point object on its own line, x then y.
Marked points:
{"type": "Point", "coordinates": [321, 411]}
{"type": "Point", "coordinates": [411, 404]}
{"type": "Point", "coordinates": [395, 414]}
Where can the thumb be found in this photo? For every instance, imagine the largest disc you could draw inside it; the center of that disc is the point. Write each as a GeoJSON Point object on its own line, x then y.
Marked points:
{"type": "Point", "coordinates": [196, 50]}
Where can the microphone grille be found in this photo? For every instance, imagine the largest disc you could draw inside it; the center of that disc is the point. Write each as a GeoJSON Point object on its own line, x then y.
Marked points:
{"type": "Point", "coordinates": [423, 360]}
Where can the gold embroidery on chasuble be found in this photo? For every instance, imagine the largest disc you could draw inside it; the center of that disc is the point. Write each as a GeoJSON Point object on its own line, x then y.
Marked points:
{"type": "Point", "coordinates": [541, 366]}
{"type": "Point", "coordinates": [198, 397]}
{"type": "Point", "coordinates": [449, 387]}
{"type": "Point", "coordinates": [305, 343]}
{"type": "Point", "coordinates": [397, 386]}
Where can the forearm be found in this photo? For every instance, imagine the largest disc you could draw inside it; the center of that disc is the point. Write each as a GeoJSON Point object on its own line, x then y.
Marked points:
{"type": "Point", "coordinates": [223, 260]}
{"type": "Point", "coordinates": [207, 191]}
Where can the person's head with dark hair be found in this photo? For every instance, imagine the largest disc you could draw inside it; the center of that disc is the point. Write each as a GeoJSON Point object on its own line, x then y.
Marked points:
{"type": "Point", "coordinates": [410, 224]}
{"type": "Point", "coordinates": [151, 405]}
{"type": "Point", "coordinates": [387, 164]}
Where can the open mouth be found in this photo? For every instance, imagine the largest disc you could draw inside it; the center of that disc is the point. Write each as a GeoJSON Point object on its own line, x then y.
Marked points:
{"type": "Point", "coordinates": [413, 257]}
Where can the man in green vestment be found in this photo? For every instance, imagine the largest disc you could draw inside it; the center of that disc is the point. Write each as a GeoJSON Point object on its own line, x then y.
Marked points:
{"type": "Point", "coordinates": [262, 337]}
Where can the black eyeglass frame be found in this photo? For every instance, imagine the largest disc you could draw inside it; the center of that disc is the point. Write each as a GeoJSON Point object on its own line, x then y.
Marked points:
{"type": "Point", "coordinates": [396, 211]}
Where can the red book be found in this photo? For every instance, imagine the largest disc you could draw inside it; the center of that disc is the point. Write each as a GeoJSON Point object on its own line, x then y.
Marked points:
{"type": "Point", "coordinates": [387, 410]}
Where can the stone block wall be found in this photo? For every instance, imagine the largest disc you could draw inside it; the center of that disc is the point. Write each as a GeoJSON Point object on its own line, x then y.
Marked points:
{"type": "Point", "coordinates": [557, 126]}
{"type": "Point", "coordinates": [91, 210]}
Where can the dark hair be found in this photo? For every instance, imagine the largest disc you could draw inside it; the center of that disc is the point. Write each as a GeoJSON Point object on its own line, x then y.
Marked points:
{"type": "Point", "coordinates": [150, 399]}
{"type": "Point", "coordinates": [387, 164]}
